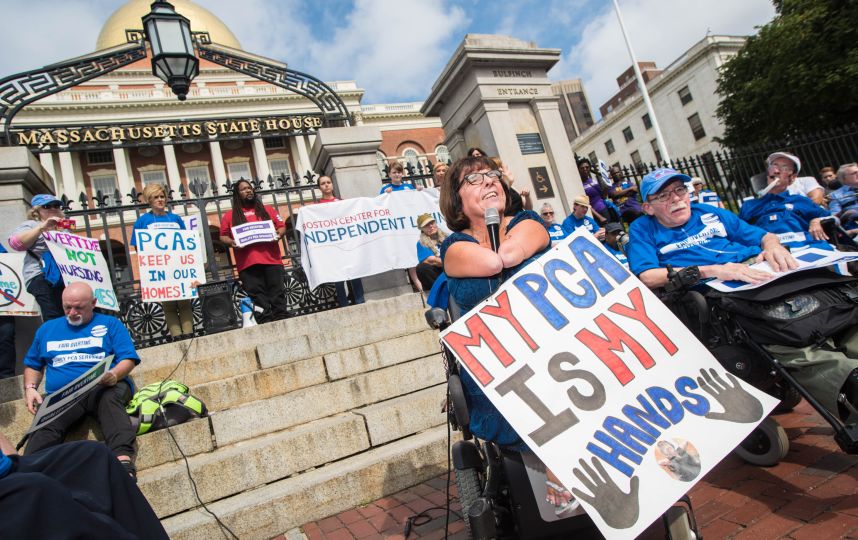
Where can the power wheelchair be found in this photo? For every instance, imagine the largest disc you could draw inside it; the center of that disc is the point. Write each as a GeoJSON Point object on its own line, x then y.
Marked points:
{"type": "Point", "coordinates": [726, 333]}
{"type": "Point", "coordinates": [496, 494]}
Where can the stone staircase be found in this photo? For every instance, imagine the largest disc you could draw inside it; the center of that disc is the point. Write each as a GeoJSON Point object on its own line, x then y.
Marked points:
{"type": "Point", "coordinates": [308, 417]}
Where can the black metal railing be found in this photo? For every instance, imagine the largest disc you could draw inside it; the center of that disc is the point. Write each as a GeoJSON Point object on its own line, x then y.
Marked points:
{"type": "Point", "coordinates": [416, 175]}
{"type": "Point", "coordinates": [107, 218]}
{"type": "Point", "coordinates": [729, 172]}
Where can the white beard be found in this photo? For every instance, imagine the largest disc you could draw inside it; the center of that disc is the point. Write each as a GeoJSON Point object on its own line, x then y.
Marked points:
{"type": "Point", "coordinates": [78, 322]}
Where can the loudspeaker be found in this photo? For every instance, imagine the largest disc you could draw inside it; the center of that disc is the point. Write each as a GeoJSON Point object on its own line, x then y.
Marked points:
{"type": "Point", "coordinates": [216, 303]}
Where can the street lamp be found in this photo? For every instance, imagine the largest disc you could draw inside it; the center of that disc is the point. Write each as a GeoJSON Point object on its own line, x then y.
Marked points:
{"type": "Point", "coordinates": [173, 58]}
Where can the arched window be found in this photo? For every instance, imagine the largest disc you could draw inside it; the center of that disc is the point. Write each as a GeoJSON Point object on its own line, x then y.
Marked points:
{"type": "Point", "coordinates": [442, 154]}
{"type": "Point", "coordinates": [410, 156]}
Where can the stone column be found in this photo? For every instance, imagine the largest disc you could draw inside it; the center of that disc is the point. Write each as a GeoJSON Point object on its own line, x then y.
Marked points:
{"type": "Point", "coordinates": [68, 180]}
{"type": "Point", "coordinates": [559, 152]}
{"type": "Point", "coordinates": [174, 178]}
{"type": "Point", "coordinates": [217, 163]}
{"type": "Point", "coordinates": [347, 155]}
{"type": "Point", "coordinates": [47, 161]}
{"type": "Point", "coordinates": [262, 168]}
{"type": "Point", "coordinates": [298, 145]}
{"type": "Point", "coordinates": [123, 172]}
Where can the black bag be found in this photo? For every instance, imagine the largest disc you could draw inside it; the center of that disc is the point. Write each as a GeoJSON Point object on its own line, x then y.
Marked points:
{"type": "Point", "coordinates": [798, 310]}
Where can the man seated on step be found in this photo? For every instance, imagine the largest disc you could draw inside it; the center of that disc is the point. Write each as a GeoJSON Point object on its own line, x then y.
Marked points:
{"type": "Point", "coordinates": [66, 348]}
{"type": "Point", "coordinates": [677, 233]}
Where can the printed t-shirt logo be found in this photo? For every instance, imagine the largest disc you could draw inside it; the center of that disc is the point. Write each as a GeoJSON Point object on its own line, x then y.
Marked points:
{"type": "Point", "coordinates": [62, 359]}
{"type": "Point", "coordinates": [164, 225]}
{"type": "Point", "coordinates": [709, 218]}
{"type": "Point", "coordinates": [73, 344]}
{"type": "Point", "coordinates": [709, 231]}
{"type": "Point", "coordinates": [98, 330]}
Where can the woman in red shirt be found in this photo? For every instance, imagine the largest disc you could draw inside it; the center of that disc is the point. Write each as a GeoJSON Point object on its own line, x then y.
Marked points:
{"type": "Point", "coordinates": [326, 186]}
{"type": "Point", "coordinates": [259, 265]}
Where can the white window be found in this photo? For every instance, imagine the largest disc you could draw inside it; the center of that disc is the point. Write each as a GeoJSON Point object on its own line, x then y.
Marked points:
{"type": "Point", "coordinates": [279, 168]}
{"type": "Point", "coordinates": [442, 154]}
{"type": "Point", "coordinates": [153, 177]}
{"type": "Point", "coordinates": [410, 156]}
{"type": "Point", "coordinates": [106, 184]}
{"type": "Point", "coordinates": [201, 174]}
{"type": "Point", "coordinates": [238, 171]}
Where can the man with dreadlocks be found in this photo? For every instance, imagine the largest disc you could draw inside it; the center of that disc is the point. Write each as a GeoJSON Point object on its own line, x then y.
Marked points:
{"type": "Point", "coordinates": [259, 265]}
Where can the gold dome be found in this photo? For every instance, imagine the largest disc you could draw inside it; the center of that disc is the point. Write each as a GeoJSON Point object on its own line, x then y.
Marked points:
{"type": "Point", "coordinates": [129, 17]}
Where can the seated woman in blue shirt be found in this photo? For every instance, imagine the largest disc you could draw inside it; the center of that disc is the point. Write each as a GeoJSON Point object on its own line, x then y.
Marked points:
{"type": "Point", "coordinates": [474, 271]}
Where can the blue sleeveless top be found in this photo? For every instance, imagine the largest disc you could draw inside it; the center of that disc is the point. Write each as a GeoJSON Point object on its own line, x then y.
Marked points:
{"type": "Point", "coordinates": [487, 423]}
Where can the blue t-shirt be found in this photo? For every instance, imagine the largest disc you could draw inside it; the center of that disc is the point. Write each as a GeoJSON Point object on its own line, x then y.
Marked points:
{"type": "Point", "coordinates": [786, 215]}
{"type": "Point", "coordinates": [67, 351]}
{"type": "Point", "coordinates": [423, 252]}
{"type": "Point", "coordinates": [620, 256]}
{"type": "Point", "coordinates": [401, 187]}
{"type": "Point", "coordinates": [5, 464]}
{"type": "Point", "coordinates": [711, 236]}
{"type": "Point", "coordinates": [151, 221]}
{"type": "Point", "coordinates": [556, 233]}
{"type": "Point", "coordinates": [571, 223]}
{"type": "Point", "coordinates": [843, 199]}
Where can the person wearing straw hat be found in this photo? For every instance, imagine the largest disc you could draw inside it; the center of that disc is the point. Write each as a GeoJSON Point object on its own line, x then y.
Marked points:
{"type": "Point", "coordinates": [579, 218]}
{"type": "Point", "coordinates": [429, 265]}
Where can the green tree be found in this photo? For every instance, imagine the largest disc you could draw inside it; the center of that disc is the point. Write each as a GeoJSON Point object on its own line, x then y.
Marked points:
{"type": "Point", "coordinates": [799, 74]}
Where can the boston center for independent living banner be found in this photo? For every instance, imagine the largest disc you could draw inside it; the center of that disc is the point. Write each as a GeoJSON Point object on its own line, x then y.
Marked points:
{"type": "Point", "coordinates": [80, 259]}
{"type": "Point", "coordinates": [363, 236]}
{"type": "Point", "coordinates": [14, 298]}
{"type": "Point", "coordinates": [604, 384]}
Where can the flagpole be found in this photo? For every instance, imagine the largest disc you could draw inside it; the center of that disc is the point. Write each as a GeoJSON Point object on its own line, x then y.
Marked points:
{"type": "Point", "coordinates": [642, 87]}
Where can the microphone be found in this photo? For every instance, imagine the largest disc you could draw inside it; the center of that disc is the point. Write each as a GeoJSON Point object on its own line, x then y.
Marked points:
{"type": "Point", "coordinates": [493, 225]}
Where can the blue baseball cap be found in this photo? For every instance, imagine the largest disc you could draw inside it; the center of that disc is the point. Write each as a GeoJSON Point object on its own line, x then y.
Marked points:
{"type": "Point", "coordinates": [655, 180]}
{"type": "Point", "coordinates": [42, 199]}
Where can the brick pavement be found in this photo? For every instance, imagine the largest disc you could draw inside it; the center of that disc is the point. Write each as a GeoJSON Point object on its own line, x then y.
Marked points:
{"type": "Point", "coordinates": [812, 494]}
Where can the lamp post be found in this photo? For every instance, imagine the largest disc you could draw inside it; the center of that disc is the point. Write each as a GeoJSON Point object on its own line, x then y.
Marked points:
{"type": "Point", "coordinates": [173, 58]}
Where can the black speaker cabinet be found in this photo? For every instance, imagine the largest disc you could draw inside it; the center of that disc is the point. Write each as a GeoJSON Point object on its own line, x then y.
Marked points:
{"type": "Point", "coordinates": [219, 314]}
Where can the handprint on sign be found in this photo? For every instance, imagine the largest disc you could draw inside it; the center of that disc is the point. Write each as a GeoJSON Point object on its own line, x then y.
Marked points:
{"type": "Point", "coordinates": [617, 509]}
{"type": "Point", "coordinates": [739, 406]}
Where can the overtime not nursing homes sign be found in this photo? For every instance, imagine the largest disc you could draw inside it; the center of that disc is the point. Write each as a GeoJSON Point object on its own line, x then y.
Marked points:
{"type": "Point", "coordinates": [604, 384]}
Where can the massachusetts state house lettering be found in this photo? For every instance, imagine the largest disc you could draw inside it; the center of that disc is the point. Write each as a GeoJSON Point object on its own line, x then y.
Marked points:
{"type": "Point", "coordinates": [177, 131]}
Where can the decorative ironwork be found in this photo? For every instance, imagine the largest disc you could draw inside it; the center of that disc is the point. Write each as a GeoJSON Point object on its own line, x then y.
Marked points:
{"type": "Point", "coordinates": [17, 91]}
{"type": "Point", "coordinates": [136, 34]}
{"type": "Point", "coordinates": [306, 85]}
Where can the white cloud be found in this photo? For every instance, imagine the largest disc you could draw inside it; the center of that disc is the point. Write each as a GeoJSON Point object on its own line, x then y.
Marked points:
{"type": "Point", "coordinates": [660, 30]}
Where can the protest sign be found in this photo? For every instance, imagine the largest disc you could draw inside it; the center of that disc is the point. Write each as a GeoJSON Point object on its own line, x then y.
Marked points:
{"type": "Point", "coordinates": [14, 298]}
{"type": "Point", "coordinates": [604, 384]}
{"type": "Point", "coordinates": [170, 260]}
{"type": "Point", "coordinates": [254, 232]}
{"type": "Point", "coordinates": [363, 236]}
{"type": "Point", "coordinates": [63, 399]}
{"type": "Point", "coordinates": [80, 259]}
{"type": "Point", "coordinates": [807, 259]}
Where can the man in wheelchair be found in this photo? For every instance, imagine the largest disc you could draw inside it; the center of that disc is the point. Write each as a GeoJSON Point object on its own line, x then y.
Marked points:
{"type": "Point", "coordinates": [713, 243]}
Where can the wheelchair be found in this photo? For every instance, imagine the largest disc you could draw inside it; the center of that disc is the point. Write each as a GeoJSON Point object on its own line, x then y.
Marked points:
{"type": "Point", "coordinates": [724, 335]}
{"type": "Point", "coordinates": [496, 494]}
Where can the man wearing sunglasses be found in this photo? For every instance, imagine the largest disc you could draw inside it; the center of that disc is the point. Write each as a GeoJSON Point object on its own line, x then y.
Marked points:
{"type": "Point", "coordinates": [680, 234]}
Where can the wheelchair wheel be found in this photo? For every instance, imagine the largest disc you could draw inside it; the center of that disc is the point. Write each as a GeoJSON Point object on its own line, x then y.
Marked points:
{"type": "Point", "coordinates": [679, 524]}
{"type": "Point", "coordinates": [765, 446]}
{"type": "Point", "coordinates": [470, 489]}
{"type": "Point", "coordinates": [789, 397]}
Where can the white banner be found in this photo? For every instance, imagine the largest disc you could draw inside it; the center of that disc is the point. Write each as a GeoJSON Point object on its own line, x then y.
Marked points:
{"type": "Point", "coordinates": [170, 260]}
{"type": "Point", "coordinates": [604, 384]}
{"type": "Point", "coordinates": [14, 298]}
{"type": "Point", "coordinates": [254, 232]}
{"type": "Point", "coordinates": [363, 236]}
{"type": "Point", "coordinates": [63, 399]}
{"type": "Point", "coordinates": [80, 259]}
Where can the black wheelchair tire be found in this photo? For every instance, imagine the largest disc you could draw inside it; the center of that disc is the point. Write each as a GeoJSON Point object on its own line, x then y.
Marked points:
{"type": "Point", "coordinates": [766, 446]}
{"type": "Point", "coordinates": [789, 396]}
{"type": "Point", "coordinates": [679, 524]}
{"type": "Point", "coordinates": [470, 488]}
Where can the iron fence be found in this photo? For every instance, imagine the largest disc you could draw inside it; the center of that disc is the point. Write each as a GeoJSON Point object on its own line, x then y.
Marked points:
{"type": "Point", "coordinates": [730, 171]}
{"type": "Point", "coordinates": [106, 217]}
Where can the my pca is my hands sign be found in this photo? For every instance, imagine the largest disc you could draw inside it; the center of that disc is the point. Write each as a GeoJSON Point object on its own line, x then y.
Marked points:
{"type": "Point", "coordinates": [604, 384]}
{"type": "Point", "coordinates": [80, 259]}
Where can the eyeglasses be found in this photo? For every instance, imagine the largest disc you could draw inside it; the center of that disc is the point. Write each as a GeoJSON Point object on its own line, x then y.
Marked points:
{"type": "Point", "coordinates": [548, 213]}
{"type": "Point", "coordinates": [52, 206]}
{"type": "Point", "coordinates": [679, 191]}
{"type": "Point", "coordinates": [784, 168]}
{"type": "Point", "coordinates": [477, 177]}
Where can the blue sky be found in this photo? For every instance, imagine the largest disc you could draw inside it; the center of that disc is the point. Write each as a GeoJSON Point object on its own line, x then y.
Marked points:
{"type": "Point", "coordinates": [395, 49]}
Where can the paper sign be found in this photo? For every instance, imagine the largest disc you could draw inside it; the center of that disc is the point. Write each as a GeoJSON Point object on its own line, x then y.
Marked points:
{"type": "Point", "coordinates": [363, 236]}
{"type": "Point", "coordinates": [56, 403]}
{"type": "Point", "coordinates": [604, 384]}
{"type": "Point", "coordinates": [254, 232]}
{"type": "Point", "coordinates": [14, 298]}
{"type": "Point", "coordinates": [170, 260]}
{"type": "Point", "coordinates": [807, 259]}
{"type": "Point", "coordinates": [80, 259]}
